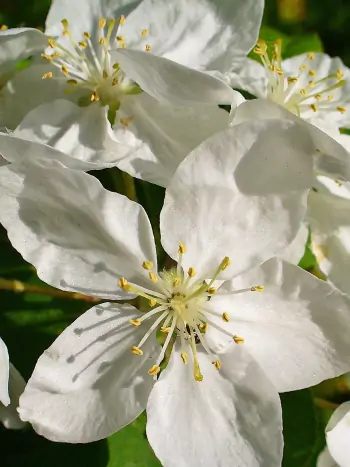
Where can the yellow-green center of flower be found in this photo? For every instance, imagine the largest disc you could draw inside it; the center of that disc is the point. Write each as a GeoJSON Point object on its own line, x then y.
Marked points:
{"type": "Point", "coordinates": [87, 65]}
{"type": "Point", "coordinates": [181, 307]}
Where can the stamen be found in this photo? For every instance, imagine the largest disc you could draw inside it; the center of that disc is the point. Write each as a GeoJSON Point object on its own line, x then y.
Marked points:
{"type": "Point", "coordinates": [148, 48]}
{"type": "Point", "coordinates": [147, 265]}
{"type": "Point", "coordinates": [135, 322]}
{"type": "Point", "coordinates": [212, 290]}
{"type": "Point", "coordinates": [122, 19]}
{"type": "Point", "coordinates": [135, 350]}
{"type": "Point", "coordinates": [51, 42]}
{"type": "Point", "coordinates": [3, 27]}
{"type": "Point", "coordinates": [176, 282]}
{"type": "Point", "coordinates": [238, 340]}
{"type": "Point", "coordinates": [311, 56]}
{"type": "Point", "coordinates": [153, 277]}
{"type": "Point", "coordinates": [144, 32]}
{"type": "Point", "coordinates": [47, 75]}
{"type": "Point", "coordinates": [313, 107]}
{"type": "Point", "coordinates": [217, 364]}
{"type": "Point", "coordinates": [182, 249]}
{"type": "Point", "coordinates": [72, 81]}
{"type": "Point", "coordinates": [225, 317]}
{"type": "Point", "coordinates": [191, 272]}
{"type": "Point", "coordinates": [126, 121]}
{"type": "Point", "coordinates": [184, 357]}
{"type": "Point", "coordinates": [342, 110]}
{"type": "Point", "coordinates": [102, 23]}
{"type": "Point", "coordinates": [257, 288]}
{"type": "Point", "coordinates": [312, 73]}
{"type": "Point", "coordinates": [154, 370]}
{"type": "Point", "coordinates": [339, 74]}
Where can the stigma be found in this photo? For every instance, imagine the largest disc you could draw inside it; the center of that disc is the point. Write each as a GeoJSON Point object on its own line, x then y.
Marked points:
{"type": "Point", "coordinates": [303, 94]}
{"type": "Point", "coordinates": [182, 307]}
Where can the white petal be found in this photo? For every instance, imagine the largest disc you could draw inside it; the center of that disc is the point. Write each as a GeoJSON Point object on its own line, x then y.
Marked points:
{"type": "Point", "coordinates": [329, 219]}
{"type": "Point", "coordinates": [26, 90]}
{"type": "Point", "coordinates": [83, 133]}
{"type": "Point", "coordinates": [295, 251]}
{"type": "Point", "coordinates": [242, 194]}
{"type": "Point", "coordinates": [325, 459]}
{"type": "Point", "coordinates": [330, 156]}
{"type": "Point", "coordinates": [19, 43]}
{"type": "Point", "coordinates": [8, 415]}
{"type": "Point", "coordinates": [170, 82]}
{"type": "Point", "coordinates": [250, 75]}
{"type": "Point", "coordinates": [337, 435]}
{"type": "Point", "coordinates": [297, 328]}
{"type": "Point", "coordinates": [89, 384]}
{"type": "Point", "coordinates": [232, 417]}
{"type": "Point", "coordinates": [4, 374]}
{"type": "Point", "coordinates": [78, 235]}
{"type": "Point", "coordinates": [161, 135]}
{"type": "Point", "coordinates": [201, 34]}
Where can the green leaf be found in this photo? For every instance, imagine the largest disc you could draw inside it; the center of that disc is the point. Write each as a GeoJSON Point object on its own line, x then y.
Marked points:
{"type": "Point", "coordinates": [308, 261]}
{"type": "Point", "coordinates": [300, 427]}
{"type": "Point", "coordinates": [129, 447]}
{"type": "Point", "coordinates": [302, 44]}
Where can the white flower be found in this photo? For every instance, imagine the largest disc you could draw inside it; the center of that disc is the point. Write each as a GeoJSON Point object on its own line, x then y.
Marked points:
{"type": "Point", "coordinates": [159, 108]}
{"type": "Point", "coordinates": [217, 222]}
{"type": "Point", "coordinates": [337, 452]}
{"type": "Point", "coordinates": [308, 85]}
{"type": "Point", "coordinates": [11, 387]}
{"type": "Point", "coordinates": [328, 216]}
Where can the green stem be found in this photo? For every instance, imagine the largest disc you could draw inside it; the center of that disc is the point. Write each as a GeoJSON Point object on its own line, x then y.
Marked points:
{"type": "Point", "coordinates": [129, 186]}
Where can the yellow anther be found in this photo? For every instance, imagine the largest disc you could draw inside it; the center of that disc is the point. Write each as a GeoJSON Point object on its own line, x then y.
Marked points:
{"type": "Point", "coordinates": [184, 357]}
{"type": "Point", "coordinates": [154, 370]}
{"type": "Point", "coordinates": [47, 75]}
{"type": "Point", "coordinates": [105, 74]}
{"type": "Point", "coordinates": [123, 283]}
{"type": "Point", "coordinates": [147, 265]}
{"type": "Point", "coordinates": [115, 66]}
{"type": "Point", "coordinates": [339, 74]}
{"type": "Point", "coordinates": [18, 286]}
{"type": "Point", "coordinates": [261, 47]}
{"type": "Point", "coordinates": [3, 27]}
{"type": "Point", "coordinates": [144, 32]}
{"type": "Point", "coordinates": [72, 81]}
{"type": "Point", "coordinates": [318, 97]}
{"type": "Point", "coordinates": [126, 120]}
{"type": "Point", "coordinates": [238, 340]}
{"type": "Point", "coordinates": [191, 272]}
{"type": "Point", "coordinates": [148, 48]}
{"type": "Point", "coordinates": [303, 67]}
{"type": "Point", "coordinates": [82, 45]}
{"type": "Point", "coordinates": [212, 290]}
{"type": "Point", "coordinates": [338, 182]}
{"type": "Point", "coordinates": [55, 55]}
{"type": "Point", "coordinates": [203, 327]}
{"type": "Point", "coordinates": [312, 73]}
{"type": "Point", "coordinates": [115, 81]}
{"type": "Point", "coordinates": [313, 107]}
{"type": "Point", "coordinates": [257, 288]}
{"type": "Point", "coordinates": [152, 302]}
{"type": "Point", "coordinates": [217, 364]}
{"type": "Point", "coordinates": [101, 40]}
{"type": "Point", "coordinates": [165, 330]}
{"type": "Point", "coordinates": [136, 350]}
{"type": "Point", "coordinates": [311, 83]}
{"type": "Point", "coordinates": [153, 277]}
{"type": "Point", "coordinates": [47, 57]}
{"type": "Point", "coordinates": [51, 42]}
{"type": "Point", "coordinates": [226, 262]}
{"type": "Point", "coordinates": [225, 317]}
{"type": "Point", "coordinates": [64, 70]}
{"type": "Point", "coordinates": [121, 19]}
{"type": "Point", "coordinates": [182, 249]}
{"type": "Point", "coordinates": [330, 98]}
{"type": "Point", "coordinates": [135, 322]}
{"type": "Point", "coordinates": [311, 56]}
{"type": "Point", "coordinates": [303, 92]}
{"type": "Point", "coordinates": [87, 35]}
{"type": "Point", "coordinates": [292, 79]}
{"type": "Point", "coordinates": [102, 23]}
{"type": "Point", "coordinates": [94, 97]}
{"type": "Point", "coordinates": [176, 282]}
{"type": "Point", "coordinates": [120, 38]}
{"type": "Point", "coordinates": [276, 69]}
{"type": "Point", "coordinates": [342, 110]}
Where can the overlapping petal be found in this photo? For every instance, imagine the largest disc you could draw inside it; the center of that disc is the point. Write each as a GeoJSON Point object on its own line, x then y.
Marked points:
{"type": "Point", "coordinates": [78, 235]}
{"type": "Point", "coordinates": [297, 328]}
{"type": "Point", "coordinates": [232, 417]}
{"type": "Point", "coordinates": [8, 415]}
{"type": "Point", "coordinates": [337, 435]}
{"type": "Point", "coordinates": [4, 374]}
{"type": "Point", "coordinates": [242, 194]}
{"type": "Point", "coordinates": [88, 384]}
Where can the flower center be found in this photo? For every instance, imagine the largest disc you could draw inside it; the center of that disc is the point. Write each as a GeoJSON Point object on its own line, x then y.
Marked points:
{"type": "Point", "coordinates": [181, 308]}
{"type": "Point", "coordinates": [301, 93]}
{"type": "Point", "coordinates": [88, 66]}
